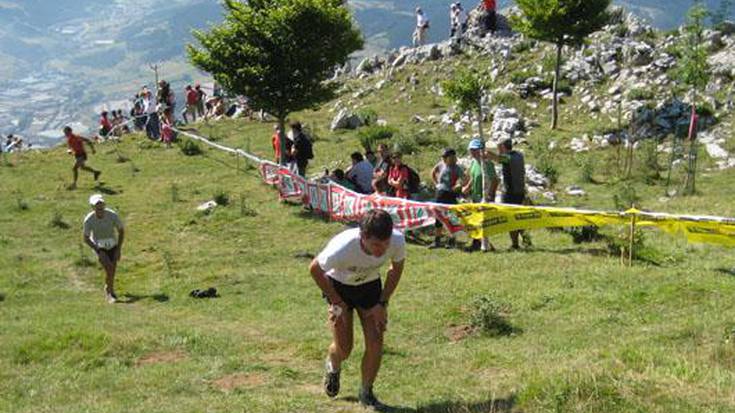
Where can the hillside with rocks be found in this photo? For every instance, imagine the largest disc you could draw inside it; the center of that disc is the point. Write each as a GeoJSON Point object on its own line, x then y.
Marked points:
{"type": "Point", "coordinates": [618, 89]}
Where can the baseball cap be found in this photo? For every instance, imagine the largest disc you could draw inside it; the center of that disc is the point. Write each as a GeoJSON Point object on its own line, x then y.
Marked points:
{"type": "Point", "coordinates": [476, 144]}
{"type": "Point", "coordinates": [96, 199]}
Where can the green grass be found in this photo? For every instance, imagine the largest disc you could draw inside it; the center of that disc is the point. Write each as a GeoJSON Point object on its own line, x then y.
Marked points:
{"type": "Point", "coordinates": [588, 334]}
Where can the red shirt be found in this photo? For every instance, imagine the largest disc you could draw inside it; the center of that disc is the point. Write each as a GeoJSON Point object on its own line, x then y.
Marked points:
{"type": "Point", "coordinates": [192, 97]}
{"type": "Point", "coordinates": [105, 123]}
{"type": "Point", "coordinates": [489, 5]}
{"type": "Point", "coordinates": [399, 173]}
{"type": "Point", "coordinates": [76, 144]}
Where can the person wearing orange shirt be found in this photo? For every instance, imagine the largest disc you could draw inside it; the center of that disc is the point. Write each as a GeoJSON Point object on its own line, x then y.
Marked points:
{"type": "Point", "coordinates": [76, 146]}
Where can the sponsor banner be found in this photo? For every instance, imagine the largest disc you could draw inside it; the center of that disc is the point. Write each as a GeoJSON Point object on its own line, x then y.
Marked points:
{"type": "Point", "coordinates": [269, 172]}
{"type": "Point", "coordinates": [347, 205]}
{"type": "Point", "coordinates": [482, 220]}
{"type": "Point", "coordinates": [696, 229]}
{"type": "Point", "coordinates": [291, 185]}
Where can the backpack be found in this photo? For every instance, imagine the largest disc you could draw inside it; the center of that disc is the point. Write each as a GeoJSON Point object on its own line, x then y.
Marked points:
{"type": "Point", "coordinates": [414, 181]}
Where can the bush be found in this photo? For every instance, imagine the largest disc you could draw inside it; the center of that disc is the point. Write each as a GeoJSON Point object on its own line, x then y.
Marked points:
{"type": "Point", "coordinates": [523, 46]}
{"type": "Point", "coordinates": [190, 148]}
{"type": "Point", "coordinates": [625, 196]}
{"type": "Point", "coordinates": [520, 76]}
{"type": "Point", "coordinates": [370, 136]}
{"type": "Point", "coordinates": [705, 110]}
{"type": "Point", "coordinates": [367, 116]}
{"type": "Point", "coordinates": [586, 168]}
{"type": "Point", "coordinates": [488, 315]}
{"type": "Point", "coordinates": [640, 94]}
{"type": "Point", "coordinates": [405, 145]}
{"type": "Point", "coordinates": [221, 197]}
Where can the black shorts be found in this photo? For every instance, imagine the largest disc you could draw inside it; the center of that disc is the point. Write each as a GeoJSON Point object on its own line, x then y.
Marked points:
{"type": "Point", "coordinates": [514, 199]}
{"type": "Point", "coordinates": [111, 253]}
{"type": "Point", "coordinates": [82, 157]}
{"type": "Point", "coordinates": [363, 296]}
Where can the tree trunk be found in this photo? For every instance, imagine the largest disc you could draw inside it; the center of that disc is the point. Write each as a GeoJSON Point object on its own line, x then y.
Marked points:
{"type": "Point", "coordinates": [482, 158]}
{"type": "Point", "coordinates": [555, 102]}
{"type": "Point", "coordinates": [282, 138]}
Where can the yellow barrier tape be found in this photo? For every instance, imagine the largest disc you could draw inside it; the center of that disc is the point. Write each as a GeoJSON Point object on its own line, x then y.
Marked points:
{"type": "Point", "coordinates": [482, 220]}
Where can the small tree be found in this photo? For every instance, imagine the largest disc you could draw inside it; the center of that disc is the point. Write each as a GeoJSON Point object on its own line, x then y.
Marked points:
{"type": "Point", "coordinates": [561, 22]}
{"type": "Point", "coordinates": [694, 72]}
{"type": "Point", "coordinates": [279, 53]}
{"type": "Point", "coordinates": [466, 90]}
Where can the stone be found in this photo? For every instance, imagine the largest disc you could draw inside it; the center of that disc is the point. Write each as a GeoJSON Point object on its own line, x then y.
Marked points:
{"type": "Point", "coordinates": [575, 190]}
{"type": "Point", "coordinates": [345, 120]}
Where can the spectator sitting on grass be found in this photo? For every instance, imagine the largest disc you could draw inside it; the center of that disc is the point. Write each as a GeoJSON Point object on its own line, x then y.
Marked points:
{"type": "Point", "coordinates": [361, 173]}
{"type": "Point", "coordinates": [338, 177]}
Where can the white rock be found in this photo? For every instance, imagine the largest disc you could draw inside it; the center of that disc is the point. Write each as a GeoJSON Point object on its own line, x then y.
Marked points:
{"type": "Point", "coordinates": [207, 206]}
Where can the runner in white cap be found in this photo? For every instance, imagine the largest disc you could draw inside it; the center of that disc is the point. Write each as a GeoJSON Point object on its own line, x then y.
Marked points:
{"type": "Point", "coordinates": [99, 233]}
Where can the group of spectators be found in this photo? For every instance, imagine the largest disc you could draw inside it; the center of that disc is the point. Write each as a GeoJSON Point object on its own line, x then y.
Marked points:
{"type": "Point", "coordinates": [385, 174]}
{"type": "Point", "coordinates": [457, 21]}
{"type": "Point", "coordinates": [13, 143]}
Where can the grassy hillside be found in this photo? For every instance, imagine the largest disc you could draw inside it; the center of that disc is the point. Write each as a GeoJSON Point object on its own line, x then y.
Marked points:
{"type": "Point", "coordinates": [587, 334]}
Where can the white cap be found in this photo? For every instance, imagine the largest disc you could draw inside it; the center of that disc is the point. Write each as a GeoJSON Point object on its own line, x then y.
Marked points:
{"type": "Point", "coordinates": [96, 199]}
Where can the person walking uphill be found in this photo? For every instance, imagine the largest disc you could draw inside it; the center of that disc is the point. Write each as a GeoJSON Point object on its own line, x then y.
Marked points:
{"type": "Point", "coordinates": [99, 233]}
{"type": "Point", "coordinates": [348, 273]}
{"type": "Point", "coordinates": [76, 145]}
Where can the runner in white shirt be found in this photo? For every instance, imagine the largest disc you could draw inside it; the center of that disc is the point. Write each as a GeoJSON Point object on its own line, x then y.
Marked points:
{"type": "Point", "coordinates": [100, 226]}
{"type": "Point", "coordinates": [348, 273]}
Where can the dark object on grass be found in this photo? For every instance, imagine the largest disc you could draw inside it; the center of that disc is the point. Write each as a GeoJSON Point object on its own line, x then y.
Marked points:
{"type": "Point", "coordinates": [208, 293]}
{"type": "Point", "coordinates": [304, 254]}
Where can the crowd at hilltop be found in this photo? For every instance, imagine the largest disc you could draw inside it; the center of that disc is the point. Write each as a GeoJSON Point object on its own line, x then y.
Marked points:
{"type": "Point", "coordinates": [458, 21]}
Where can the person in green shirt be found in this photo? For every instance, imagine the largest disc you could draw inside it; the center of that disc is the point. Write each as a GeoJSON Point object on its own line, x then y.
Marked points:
{"type": "Point", "coordinates": [474, 186]}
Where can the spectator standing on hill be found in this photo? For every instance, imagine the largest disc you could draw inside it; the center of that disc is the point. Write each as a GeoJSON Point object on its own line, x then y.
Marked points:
{"type": "Point", "coordinates": [192, 99]}
{"type": "Point", "coordinates": [474, 186]}
{"type": "Point", "coordinates": [302, 150]}
{"type": "Point", "coordinates": [447, 177]}
{"type": "Point", "coordinates": [100, 227]}
{"type": "Point", "coordinates": [167, 127]}
{"type": "Point", "coordinates": [422, 27]}
{"type": "Point", "coordinates": [398, 176]}
{"type": "Point", "coordinates": [76, 145]}
{"type": "Point", "coordinates": [347, 272]}
{"type": "Point", "coordinates": [490, 17]}
{"type": "Point", "coordinates": [152, 126]}
{"type": "Point", "coordinates": [514, 182]}
{"type": "Point", "coordinates": [361, 173]}
{"type": "Point", "coordinates": [105, 125]}
{"type": "Point", "coordinates": [201, 98]}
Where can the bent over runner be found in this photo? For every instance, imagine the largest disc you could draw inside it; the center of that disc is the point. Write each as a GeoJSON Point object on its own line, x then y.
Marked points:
{"type": "Point", "coordinates": [348, 273]}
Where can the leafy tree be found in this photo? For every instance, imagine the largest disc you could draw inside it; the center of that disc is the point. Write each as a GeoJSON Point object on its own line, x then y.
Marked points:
{"type": "Point", "coordinates": [563, 23]}
{"type": "Point", "coordinates": [279, 53]}
{"type": "Point", "coordinates": [465, 90]}
{"type": "Point", "coordinates": [694, 72]}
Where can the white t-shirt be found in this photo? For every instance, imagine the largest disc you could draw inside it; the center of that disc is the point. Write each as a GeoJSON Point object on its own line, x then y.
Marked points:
{"type": "Point", "coordinates": [362, 173]}
{"type": "Point", "coordinates": [344, 260]}
{"type": "Point", "coordinates": [421, 20]}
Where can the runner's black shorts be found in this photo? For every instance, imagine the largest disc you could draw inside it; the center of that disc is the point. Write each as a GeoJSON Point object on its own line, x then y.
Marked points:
{"type": "Point", "coordinates": [82, 157]}
{"type": "Point", "coordinates": [111, 253]}
{"type": "Point", "coordinates": [363, 296]}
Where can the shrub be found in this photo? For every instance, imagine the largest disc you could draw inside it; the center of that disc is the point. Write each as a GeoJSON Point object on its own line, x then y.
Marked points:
{"type": "Point", "coordinates": [640, 94]}
{"type": "Point", "coordinates": [190, 148]}
{"type": "Point", "coordinates": [405, 145]}
{"type": "Point", "coordinates": [705, 110]}
{"type": "Point", "coordinates": [221, 197]}
{"type": "Point", "coordinates": [625, 196]}
{"type": "Point", "coordinates": [523, 46]}
{"type": "Point", "coordinates": [370, 136]}
{"type": "Point", "coordinates": [520, 76]}
{"type": "Point", "coordinates": [585, 234]}
{"type": "Point", "coordinates": [488, 315]}
{"type": "Point", "coordinates": [368, 116]}
{"type": "Point", "coordinates": [586, 168]}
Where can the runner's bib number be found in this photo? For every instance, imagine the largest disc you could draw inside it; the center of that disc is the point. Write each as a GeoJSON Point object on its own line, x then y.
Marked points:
{"type": "Point", "coordinates": [106, 243]}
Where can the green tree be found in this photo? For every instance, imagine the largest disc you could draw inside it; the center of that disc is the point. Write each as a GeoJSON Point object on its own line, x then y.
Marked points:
{"type": "Point", "coordinates": [465, 90]}
{"type": "Point", "coordinates": [279, 53]}
{"type": "Point", "coordinates": [694, 72]}
{"type": "Point", "coordinates": [563, 23]}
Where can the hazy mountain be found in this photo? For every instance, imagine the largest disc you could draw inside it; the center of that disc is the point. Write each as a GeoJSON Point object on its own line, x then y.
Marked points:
{"type": "Point", "coordinates": [59, 61]}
